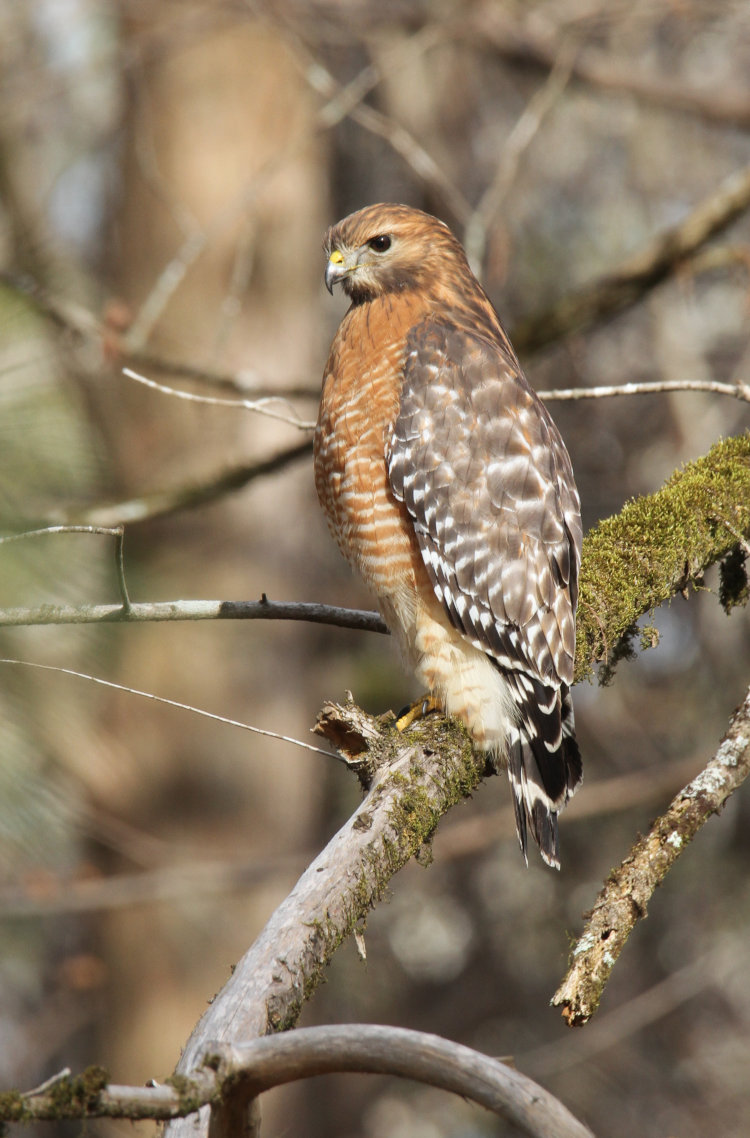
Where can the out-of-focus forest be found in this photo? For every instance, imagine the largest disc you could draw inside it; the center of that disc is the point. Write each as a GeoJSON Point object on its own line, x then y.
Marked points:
{"type": "Point", "coordinates": [166, 174]}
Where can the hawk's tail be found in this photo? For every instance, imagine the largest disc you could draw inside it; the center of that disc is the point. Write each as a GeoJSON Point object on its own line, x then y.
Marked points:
{"type": "Point", "coordinates": [544, 765]}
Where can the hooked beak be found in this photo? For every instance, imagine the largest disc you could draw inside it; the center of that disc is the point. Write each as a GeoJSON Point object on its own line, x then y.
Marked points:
{"type": "Point", "coordinates": [336, 270]}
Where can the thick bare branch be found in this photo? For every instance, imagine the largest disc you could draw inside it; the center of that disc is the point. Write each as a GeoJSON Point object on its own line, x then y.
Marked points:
{"type": "Point", "coordinates": [624, 898]}
{"type": "Point", "coordinates": [372, 1049]}
{"type": "Point", "coordinates": [230, 1071]}
{"type": "Point", "coordinates": [413, 779]}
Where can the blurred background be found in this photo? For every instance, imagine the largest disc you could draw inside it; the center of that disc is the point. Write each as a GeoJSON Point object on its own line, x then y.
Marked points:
{"type": "Point", "coordinates": [166, 175]}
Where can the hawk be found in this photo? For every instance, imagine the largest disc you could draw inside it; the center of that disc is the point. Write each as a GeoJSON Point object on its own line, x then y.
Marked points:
{"type": "Point", "coordinates": [449, 489]}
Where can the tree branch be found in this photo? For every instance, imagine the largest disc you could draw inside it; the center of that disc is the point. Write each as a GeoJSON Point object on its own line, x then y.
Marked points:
{"type": "Point", "coordinates": [649, 266]}
{"type": "Point", "coordinates": [624, 899]}
{"type": "Point", "coordinates": [413, 779]}
{"type": "Point", "coordinates": [231, 1071]}
{"type": "Point", "coordinates": [659, 544]}
{"type": "Point", "coordinates": [372, 1049]}
{"type": "Point", "coordinates": [528, 43]}
{"type": "Point", "coordinates": [157, 503]}
{"type": "Point", "coordinates": [140, 613]}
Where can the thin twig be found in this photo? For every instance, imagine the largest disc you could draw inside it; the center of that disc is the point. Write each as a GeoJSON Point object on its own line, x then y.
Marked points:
{"type": "Point", "coordinates": [106, 531]}
{"type": "Point", "coordinates": [735, 390]}
{"type": "Point", "coordinates": [397, 136]}
{"type": "Point", "coordinates": [168, 702]}
{"type": "Point", "coordinates": [624, 898]}
{"type": "Point", "coordinates": [258, 406]}
{"type": "Point", "coordinates": [49, 1083]}
{"type": "Point", "coordinates": [120, 568]}
{"type": "Point", "coordinates": [518, 142]}
{"type": "Point", "coordinates": [167, 283]}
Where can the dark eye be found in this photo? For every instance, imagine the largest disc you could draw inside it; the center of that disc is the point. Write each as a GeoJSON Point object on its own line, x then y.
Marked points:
{"type": "Point", "coordinates": [381, 243]}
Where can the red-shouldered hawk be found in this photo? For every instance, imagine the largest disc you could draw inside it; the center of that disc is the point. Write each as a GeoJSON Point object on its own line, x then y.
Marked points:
{"type": "Point", "coordinates": [449, 488]}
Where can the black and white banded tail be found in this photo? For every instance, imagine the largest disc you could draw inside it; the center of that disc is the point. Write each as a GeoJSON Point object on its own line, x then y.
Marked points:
{"type": "Point", "coordinates": [544, 763]}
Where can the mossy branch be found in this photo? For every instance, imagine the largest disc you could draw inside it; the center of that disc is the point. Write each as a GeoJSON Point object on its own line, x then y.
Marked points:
{"type": "Point", "coordinates": [412, 779]}
{"type": "Point", "coordinates": [658, 545]}
{"type": "Point", "coordinates": [627, 891]}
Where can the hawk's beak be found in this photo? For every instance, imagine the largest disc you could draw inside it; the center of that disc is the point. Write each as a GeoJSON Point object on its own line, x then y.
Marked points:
{"type": "Point", "coordinates": [336, 269]}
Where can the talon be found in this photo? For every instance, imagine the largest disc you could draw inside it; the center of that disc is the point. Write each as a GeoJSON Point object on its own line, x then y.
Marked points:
{"type": "Point", "coordinates": [420, 709]}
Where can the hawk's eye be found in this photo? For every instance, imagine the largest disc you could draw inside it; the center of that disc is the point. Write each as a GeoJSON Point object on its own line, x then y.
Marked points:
{"type": "Point", "coordinates": [381, 243]}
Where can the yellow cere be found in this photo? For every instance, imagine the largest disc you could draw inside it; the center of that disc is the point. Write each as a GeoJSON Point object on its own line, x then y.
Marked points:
{"type": "Point", "coordinates": [336, 257]}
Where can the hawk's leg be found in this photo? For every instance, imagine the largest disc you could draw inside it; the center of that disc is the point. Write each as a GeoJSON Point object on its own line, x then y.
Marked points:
{"type": "Point", "coordinates": [426, 705]}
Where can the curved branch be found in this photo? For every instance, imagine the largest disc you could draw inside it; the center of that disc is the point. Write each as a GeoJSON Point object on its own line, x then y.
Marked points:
{"type": "Point", "coordinates": [372, 1049]}
{"type": "Point", "coordinates": [234, 1071]}
{"type": "Point", "coordinates": [624, 899]}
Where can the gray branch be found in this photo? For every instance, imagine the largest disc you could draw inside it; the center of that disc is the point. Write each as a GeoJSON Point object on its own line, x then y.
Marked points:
{"type": "Point", "coordinates": [232, 1073]}
{"type": "Point", "coordinates": [627, 891]}
{"type": "Point", "coordinates": [194, 610]}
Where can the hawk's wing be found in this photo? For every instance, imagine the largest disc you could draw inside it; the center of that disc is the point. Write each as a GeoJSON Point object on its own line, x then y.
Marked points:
{"type": "Point", "coordinates": [481, 468]}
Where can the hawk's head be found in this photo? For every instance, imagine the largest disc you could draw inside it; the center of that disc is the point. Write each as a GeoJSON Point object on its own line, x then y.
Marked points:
{"type": "Point", "coordinates": [389, 248]}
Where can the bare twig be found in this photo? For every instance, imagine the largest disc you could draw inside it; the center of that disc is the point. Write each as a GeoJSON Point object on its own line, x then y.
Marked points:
{"type": "Point", "coordinates": [167, 283]}
{"type": "Point", "coordinates": [139, 613]}
{"type": "Point", "coordinates": [106, 531]}
{"type": "Point", "coordinates": [120, 568]}
{"type": "Point", "coordinates": [167, 702]}
{"type": "Point", "coordinates": [624, 898]}
{"type": "Point", "coordinates": [641, 272]}
{"type": "Point", "coordinates": [397, 136]}
{"type": "Point", "coordinates": [517, 143]}
{"type": "Point", "coordinates": [258, 406]}
{"type": "Point", "coordinates": [227, 1071]}
{"type": "Point", "coordinates": [736, 390]}
{"type": "Point", "coordinates": [632, 562]}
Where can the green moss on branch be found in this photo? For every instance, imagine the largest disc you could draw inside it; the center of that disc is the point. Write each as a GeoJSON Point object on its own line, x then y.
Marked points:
{"type": "Point", "coordinates": [658, 545]}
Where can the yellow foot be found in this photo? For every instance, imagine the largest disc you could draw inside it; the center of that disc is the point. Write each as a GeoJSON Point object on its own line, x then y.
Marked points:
{"type": "Point", "coordinates": [418, 710]}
